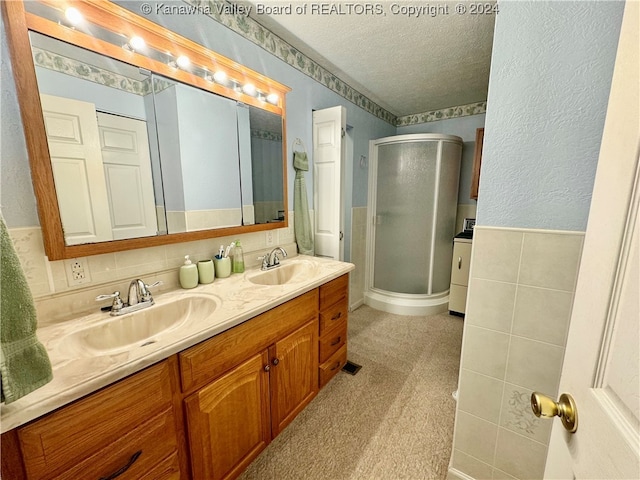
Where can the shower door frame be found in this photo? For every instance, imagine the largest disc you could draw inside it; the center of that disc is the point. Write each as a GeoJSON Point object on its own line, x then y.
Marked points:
{"type": "Point", "coordinates": [422, 302]}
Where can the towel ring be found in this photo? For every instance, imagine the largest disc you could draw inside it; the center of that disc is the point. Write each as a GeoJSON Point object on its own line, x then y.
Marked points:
{"type": "Point", "coordinates": [298, 141]}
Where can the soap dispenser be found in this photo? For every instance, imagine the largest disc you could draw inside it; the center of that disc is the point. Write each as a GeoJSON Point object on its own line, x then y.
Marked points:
{"type": "Point", "coordinates": [238, 258]}
{"type": "Point", "coordinates": [188, 274]}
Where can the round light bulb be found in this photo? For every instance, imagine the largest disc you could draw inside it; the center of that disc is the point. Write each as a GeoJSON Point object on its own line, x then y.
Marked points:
{"type": "Point", "coordinates": [249, 89]}
{"type": "Point", "coordinates": [273, 98]}
{"type": "Point", "coordinates": [137, 43]}
{"type": "Point", "coordinates": [220, 76]}
{"type": "Point", "coordinates": [73, 15]}
{"type": "Point", "coordinates": [183, 61]}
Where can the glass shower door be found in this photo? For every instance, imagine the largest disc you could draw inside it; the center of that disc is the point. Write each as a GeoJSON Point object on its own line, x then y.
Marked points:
{"type": "Point", "coordinates": [406, 175]}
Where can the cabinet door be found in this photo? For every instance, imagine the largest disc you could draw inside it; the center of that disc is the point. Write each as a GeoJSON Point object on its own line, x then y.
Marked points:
{"type": "Point", "coordinates": [228, 420]}
{"type": "Point", "coordinates": [460, 263]}
{"type": "Point", "coordinates": [294, 374]}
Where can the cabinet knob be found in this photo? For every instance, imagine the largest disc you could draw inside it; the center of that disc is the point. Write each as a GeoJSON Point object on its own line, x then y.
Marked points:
{"type": "Point", "coordinates": [275, 361]}
{"type": "Point", "coordinates": [267, 368]}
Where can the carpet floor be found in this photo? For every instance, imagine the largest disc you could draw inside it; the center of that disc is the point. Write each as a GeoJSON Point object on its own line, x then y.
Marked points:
{"type": "Point", "coordinates": [392, 420]}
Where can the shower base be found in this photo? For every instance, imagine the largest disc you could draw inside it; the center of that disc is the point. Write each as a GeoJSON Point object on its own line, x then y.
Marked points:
{"type": "Point", "coordinates": [407, 304]}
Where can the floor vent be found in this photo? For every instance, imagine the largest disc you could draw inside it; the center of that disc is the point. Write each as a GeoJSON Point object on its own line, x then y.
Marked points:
{"type": "Point", "coordinates": [351, 367]}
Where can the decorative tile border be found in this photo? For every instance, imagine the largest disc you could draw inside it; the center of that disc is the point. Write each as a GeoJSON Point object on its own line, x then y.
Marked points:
{"type": "Point", "coordinates": [445, 113]}
{"type": "Point", "coordinates": [70, 66]}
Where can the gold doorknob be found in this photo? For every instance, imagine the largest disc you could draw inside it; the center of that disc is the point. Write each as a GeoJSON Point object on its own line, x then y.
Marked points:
{"type": "Point", "coordinates": [565, 408]}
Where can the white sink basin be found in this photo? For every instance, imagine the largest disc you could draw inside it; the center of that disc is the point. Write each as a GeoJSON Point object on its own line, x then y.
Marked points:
{"type": "Point", "coordinates": [138, 329]}
{"type": "Point", "coordinates": [293, 271]}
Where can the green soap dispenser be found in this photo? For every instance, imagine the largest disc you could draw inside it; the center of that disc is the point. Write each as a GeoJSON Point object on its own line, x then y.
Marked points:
{"type": "Point", "coordinates": [188, 274]}
{"type": "Point", "coordinates": [238, 258]}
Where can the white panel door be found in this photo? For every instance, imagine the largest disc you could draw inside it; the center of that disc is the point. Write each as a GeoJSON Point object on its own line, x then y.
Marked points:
{"type": "Point", "coordinates": [72, 134]}
{"type": "Point", "coordinates": [329, 127]}
{"type": "Point", "coordinates": [602, 361]}
{"type": "Point", "coordinates": [127, 170]}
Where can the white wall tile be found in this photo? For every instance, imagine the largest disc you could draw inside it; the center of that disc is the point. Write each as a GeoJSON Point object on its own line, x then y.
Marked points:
{"type": "Point", "coordinates": [550, 260]}
{"type": "Point", "coordinates": [490, 304]}
{"type": "Point", "coordinates": [485, 351]}
{"type": "Point", "coordinates": [496, 254]}
{"type": "Point", "coordinates": [542, 314]}
{"type": "Point", "coordinates": [518, 417]}
{"type": "Point", "coordinates": [519, 456]}
{"type": "Point", "coordinates": [471, 466]}
{"type": "Point", "coordinates": [480, 395]}
{"type": "Point", "coordinates": [475, 437]}
{"type": "Point", "coordinates": [535, 365]}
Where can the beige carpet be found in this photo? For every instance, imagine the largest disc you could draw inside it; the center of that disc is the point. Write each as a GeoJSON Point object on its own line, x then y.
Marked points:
{"type": "Point", "coordinates": [392, 420]}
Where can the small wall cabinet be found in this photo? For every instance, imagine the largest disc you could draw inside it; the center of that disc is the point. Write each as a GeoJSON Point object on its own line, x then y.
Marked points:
{"type": "Point", "coordinates": [459, 275]}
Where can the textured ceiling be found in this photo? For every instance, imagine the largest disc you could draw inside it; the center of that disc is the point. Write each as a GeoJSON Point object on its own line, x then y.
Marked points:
{"type": "Point", "coordinates": [406, 64]}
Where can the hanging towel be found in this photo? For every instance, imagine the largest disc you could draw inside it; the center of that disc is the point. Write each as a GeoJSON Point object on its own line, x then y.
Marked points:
{"type": "Point", "coordinates": [24, 362]}
{"type": "Point", "coordinates": [301, 219]}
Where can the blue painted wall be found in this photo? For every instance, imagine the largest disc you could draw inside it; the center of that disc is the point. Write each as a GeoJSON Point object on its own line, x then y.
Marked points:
{"type": "Point", "coordinates": [548, 92]}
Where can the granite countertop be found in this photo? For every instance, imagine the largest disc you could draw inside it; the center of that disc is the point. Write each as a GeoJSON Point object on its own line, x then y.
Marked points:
{"type": "Point", "coordinates": [78, 373]}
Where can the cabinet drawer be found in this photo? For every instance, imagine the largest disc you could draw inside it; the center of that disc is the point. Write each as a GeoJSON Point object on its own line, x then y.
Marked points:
{"type": "Point", "coordinates": [332, 341]}
{"type": "Point", "coordinates": [334, 316]}
{"type": "Point", "coordinates": [70, 435]}
{"type": "Point", "coordinates": [211, 358]}
{"type": "Point", "coordinates": [136, 455]}
{"type": "Point", "coordinates": [332, 366]}
{"type": "Point", "coordinates": [168, 469]}
{"type": "Point", "coordinates": [334, 290]}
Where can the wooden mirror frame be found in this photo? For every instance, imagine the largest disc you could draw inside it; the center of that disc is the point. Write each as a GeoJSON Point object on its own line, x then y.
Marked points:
{"type": "Point", "coordinates": [112, 17]}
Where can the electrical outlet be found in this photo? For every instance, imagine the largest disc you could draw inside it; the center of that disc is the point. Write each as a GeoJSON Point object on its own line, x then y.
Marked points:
{"type": "Point", "coordinates": [269, 238]}
{"type": "Point", "coordinates": [77, 272]}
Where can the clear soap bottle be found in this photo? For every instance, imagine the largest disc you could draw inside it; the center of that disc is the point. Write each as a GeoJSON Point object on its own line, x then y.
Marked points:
{"type": "Point", "coordinates": [238, 258]}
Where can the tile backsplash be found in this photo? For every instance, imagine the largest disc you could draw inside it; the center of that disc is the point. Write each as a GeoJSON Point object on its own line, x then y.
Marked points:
{"type": "Point", "coordinates": [56, 300]}
{"type": "Point", "coordinates": [521, 292]}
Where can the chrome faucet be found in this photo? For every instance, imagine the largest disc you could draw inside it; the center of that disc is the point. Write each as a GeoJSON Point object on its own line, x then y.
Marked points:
{"type": "Point", "coordinates": [271, 260]}
{"type": "Point", "coordinates": [139, 298]}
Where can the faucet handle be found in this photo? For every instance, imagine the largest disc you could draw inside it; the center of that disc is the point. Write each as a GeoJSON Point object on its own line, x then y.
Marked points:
{"type": "Point", "coordinates": [265, 261]}
{"type": "Point", "coordinates": [145, 293]}
{"type": "Point", "coordinates": [117, 301]}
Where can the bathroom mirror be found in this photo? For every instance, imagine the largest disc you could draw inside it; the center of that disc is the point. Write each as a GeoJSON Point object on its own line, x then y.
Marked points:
{"type": "Point", "coordinates": [248, 182]}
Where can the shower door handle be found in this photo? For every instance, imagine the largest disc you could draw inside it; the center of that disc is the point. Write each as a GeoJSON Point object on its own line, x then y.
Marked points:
{"type": "Point", "coordinates": [341, 235]}
{"type": "Point", "coordinates": [459, 263]}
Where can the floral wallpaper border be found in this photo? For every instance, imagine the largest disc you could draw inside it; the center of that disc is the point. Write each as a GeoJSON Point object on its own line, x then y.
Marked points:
{"type": "Point", "coordinates": [75, 68]}
{"type": "Point", "coordinates": [266, 135]}
{"type": "Point", "coordinates": [261, 36]}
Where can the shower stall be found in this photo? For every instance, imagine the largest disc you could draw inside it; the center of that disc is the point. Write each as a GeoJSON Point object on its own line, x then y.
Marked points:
{"type": "Point", "coordinates": [412, 205]}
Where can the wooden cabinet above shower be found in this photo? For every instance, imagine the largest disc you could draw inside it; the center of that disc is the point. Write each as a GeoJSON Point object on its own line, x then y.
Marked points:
{"type": "Point", "coordinates": [477, 162]}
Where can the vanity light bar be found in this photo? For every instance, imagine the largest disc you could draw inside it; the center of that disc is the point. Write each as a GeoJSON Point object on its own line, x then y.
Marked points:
{"type": "Point", "coordinates": [229, 78]}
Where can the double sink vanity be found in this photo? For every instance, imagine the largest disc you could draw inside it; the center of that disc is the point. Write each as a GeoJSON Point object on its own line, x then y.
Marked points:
{"type": "Point", "coordinates": [195, 386]}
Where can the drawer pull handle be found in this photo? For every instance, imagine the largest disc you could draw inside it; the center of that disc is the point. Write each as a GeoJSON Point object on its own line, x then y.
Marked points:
{"type": "Point", "coordinates": [336, 341]}
{"type": "Point", "coordinates": [119, 472]}
{"type": "Point", "coordinates": [459, 263]}
{"type": "Point", "coordinates": [336, 316]}
{"type": "Point", "coordinates": [336, 365]}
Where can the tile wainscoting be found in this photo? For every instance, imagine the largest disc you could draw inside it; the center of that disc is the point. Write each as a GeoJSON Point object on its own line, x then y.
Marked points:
{"type": "Point", "coordinates": [57, 301]}
{"type": "Point", "coordinates": [521, 290]}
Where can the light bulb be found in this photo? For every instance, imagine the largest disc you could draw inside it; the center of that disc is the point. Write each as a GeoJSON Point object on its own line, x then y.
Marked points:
{"type": "Point", "coordinates": [273, 98]}
{"type": "Point", "coordinates": [183, 61]}
{"type": "Point", "coordinates": [73, 15]}
{"type": "Point", "coordinates": [249, 89]}
{"type": "Point", "coordinates": [220, 76]}
{"type": "Point", "coordinates": [137, 43]}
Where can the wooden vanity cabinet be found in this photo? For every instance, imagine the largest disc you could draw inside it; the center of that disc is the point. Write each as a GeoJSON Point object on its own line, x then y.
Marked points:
{"type": "Point", "coordinates": [130, 426]}
{"type": "Point", "coordinates": [334, 313]}
{"type": "Point", "coordinates": [250, 382]}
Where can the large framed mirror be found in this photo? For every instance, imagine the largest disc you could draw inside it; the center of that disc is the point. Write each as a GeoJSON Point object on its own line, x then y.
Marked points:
{"type": "Point", "coordinates": [135, 143]}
